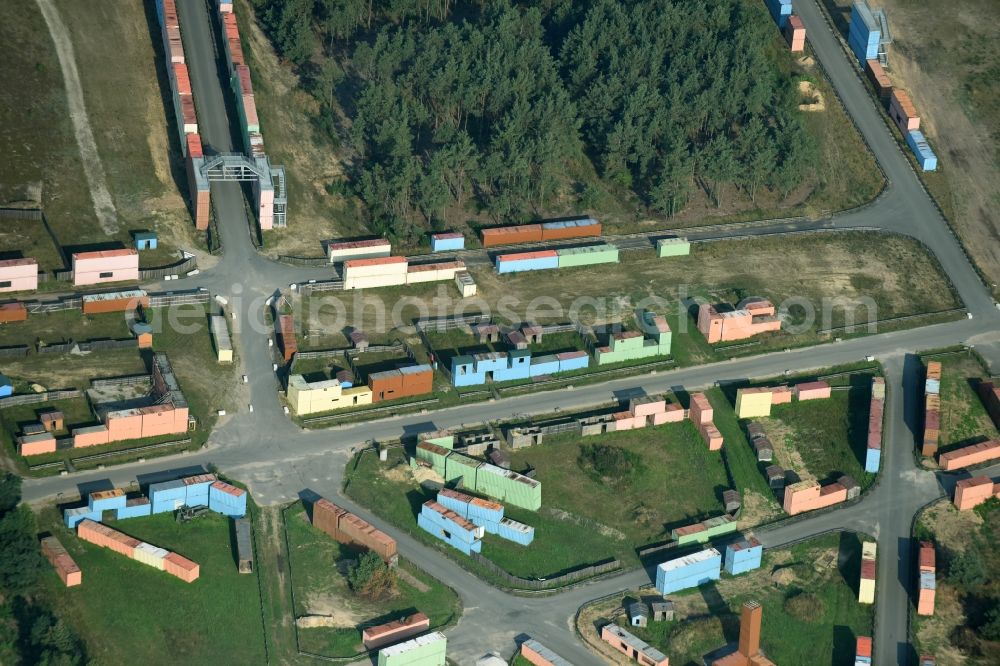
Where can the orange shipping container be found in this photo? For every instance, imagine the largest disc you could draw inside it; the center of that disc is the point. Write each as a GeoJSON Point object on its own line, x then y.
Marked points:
{"type": "Point", "coordinates": [65, 567]}
{"type": "Point", "coordinates": [11, 312]}
{"type": "Point", "coordinates": [181, 567]}
{"type": "Point", "coordinates": [970, 455]}
{"type": "Point", "coordinates": [970, 493]}
{"type": "Point", "coordinates": [525, 233]}
{"type": "Point", "coordinates": [927, 560]}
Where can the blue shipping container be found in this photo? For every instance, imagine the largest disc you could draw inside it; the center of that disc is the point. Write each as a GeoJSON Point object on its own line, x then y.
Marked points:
{"type": "Point", "coordinates": [544, 365]}
{"type": "Point", "coordinates": [872, 460]}
{"type": "Point", "coordinates": [435, 530]}
{"type": "Point", "coordinates": [746, 558]}
{"type": "Point", "coordinates": [459, 507]}
{"type": "Point", "coordinates": [446, 243]}
{"type": "Point", "coordinates": [107, 503]}
{"type": "Point", "coordinates": [671, 586]}
{"type": "Point", "coordinates": [480, 514]}
{"type": "Point", "coordinates": [780, 11]}
{"type": "Point", "coordinates": [74, 516]}
{"type": "Point", "coordinates": [574, 363]}
{"type": "Point", "coordinates": [520, 265]}
{"type": "Point", "coordinates": [135, 511]}
{"type": "Point", "coordinates": [928, 162]}
{"type": "Point", "coordinates": [865, 34]}
{"type": "Point", "coordinates": [517, 532]}
{"type": "Point", "coordinates": [168, 490]}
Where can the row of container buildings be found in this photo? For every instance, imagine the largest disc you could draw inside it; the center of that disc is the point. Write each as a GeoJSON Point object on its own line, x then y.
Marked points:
{"type": "Point", "coordinates": [140, 551]}
{"type": "Point", "coordinates": [645, 411]}
{"type": "Point", "coordinates": [757, 401]}
{"type": "Point", "coordinates": [654, 339]}
{"type": "Point", "coordinates": [704, 531]}
{"type": "Point", "coordinates": [539, 233]}
{"type": "Point", "coordinates": [87, 268]}
{"type": "Point", "coordinates": [488, 515]}
{"type": "Point", "coordinates": [876, 411]}
{"type": "Point", "coordinates": [866, 586]}
{"type": "Point", "coordinates": [751, 317]}
{"type": "Point", "coordinates": [167, 416]}
{"type": "Point", "coordinates": [927, 578]}
{"type": "Point", "coordinates": [388, 271]}
{"type": "Point", "coordinates": [636, 649]}
{"type": "Point", "coordinates": [305, 397]}
{"type": "Point", "coordinates": [353, 531]}
{"type": "Point", "coordinates": [791, 26]}
{"type": "Point", "coordinates": [189, 138]}
{"type": "Point", "coordinates": [537, 654]}
{"type": "Point", "coordinates": [481, 477]}
{"type": "Point", "coordinates": [540, 260]}
{"type": "Point", "coordinates": [932, 410]}
{"type": "Point", "coordinates": [373, 248]}
{"type": "Point", "coordinates": [167, 496]}
{"type": "Point", "coordinates": [18, 275]}
{"type": "Point", "coordinates": [694, 569]}
{"type": "Point", "coordinates": [448, 526]}
{"type": "Point", "coordinates": [970, 493]}
{"type": "Point", "coordinates": [513, 365]}
{"type": "Point", "coordinates": [809, 495]}
{"type": "Point", "coordinates": [66, 568]}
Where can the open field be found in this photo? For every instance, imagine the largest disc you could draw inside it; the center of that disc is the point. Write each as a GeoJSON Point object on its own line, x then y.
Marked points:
{"type": "Point", "coordinates": [319, 588]}
{"type": "Point", "coordinates": [130, 612]}
{"type": "Point", "coordinates": [809, 599]}
{"type": "Point", "coordinates": [839, 275]}
{"type": "Point", "coordinates": [964, 629]}
{"type": "Point", "coordinates": [963, 418]}
{"type": "Point", "coordinates": [131, 131]}
{"type": "Point", "coordinates": [946, 56]}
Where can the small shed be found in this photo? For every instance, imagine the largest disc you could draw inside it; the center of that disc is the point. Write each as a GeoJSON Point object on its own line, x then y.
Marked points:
{"type": "Point", "coordinates": [6, 386]}
{"type": "Point", "coordinates": [755, 430]}
{"type": "Point", "coordinates": [499, 458]}
{"type": "Point", "coordinates": [144, 240]}
{"type": "Point", "coordinates": [517, 340]}
{"type": "Point", "coordinates": [764, 449]}
{"type": "Point", "coordinates": [638, 614]}
{"type": "Point", "coordinates": [775, 476]}
{"type": "Point", "coordinates": [359, 339]}
{"type": "Point", "coordinates": [244, 545]}
{"type": "Point", "coordinates": [731, 500]}
{"type": "Point", "coordinates": [853, 488]}
{"type": "Point", "coordinates": [52, 420]}
{"type": "Point", "coordinates": [663, 611]}
{"type": "Point", "coordinates": [486, 332]}
{"type": "Point", "coordinates": [532, 333]}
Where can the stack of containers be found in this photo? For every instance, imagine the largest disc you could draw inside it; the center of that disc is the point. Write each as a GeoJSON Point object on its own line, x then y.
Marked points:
{"type": "Point", "coordinates": [795, 34]}
{"type": "Point", "coordinates": [781, 11]}
{"type": "Point", "coordinates": [902, 111]}
{"type": "Point", "coordinates": [527, 261]}
{"type": "Point", "coordinates": [688, 571]}
{"type": "Point", "coordinates": [921, 150]}
{"type": "Point", "coordinates": [863, 651]}
{"type": "Point", "coordinates": [970, 493]}
{"type": "Point", "coordinates": [346, 528]}
{"type": "Point", "coordinates": [878, 77]}
{"type": "Point", "coordinates": [927, 566]}
{"type": "Point", "coordinates": [743, 555]}
{"type": "Point", "coordinates": [227, 499]}
{"type": "Point", "coordinates": [69, 573]}
{"type": "Point", "coordinates": [232, 45]}
{"type": "Point", "coordinates": [246, 106]}
{"type": "Point", "coordinates": [486, 514]}
{"type": "Point", "coordinates": [969, 455]}
{"type": "Point", "coordinates": [168, 496]}
{"type": "Point", "coordinates": [865, 32]}
{"type": "Point", "coordinates": [866, 589]}
{"type": "Point", "coordinates": [932, 409]}
{"type": "Point", "coordinates": [375, 272]}
{"type": "Point", "coordinates": [197, 489]}
{"type": "Point", "coordinates": [876, 409]}
{"type": "Point", "coordinates": [450, 527]}
{"type": "Point", "coordinates": [341, 251]}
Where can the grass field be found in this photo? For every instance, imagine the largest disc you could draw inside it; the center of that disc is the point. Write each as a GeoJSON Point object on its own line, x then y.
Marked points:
{"type": "Point", "coordinates": [963, 418]}
{"type": "Point", "coordinates": [968, 569]}
{"type": "Point", "coordinates": [42, 163]}
{"type": "Point", "coordinates": [819, 627]}
{"type": "Point", "coordinates": [128, 612]}
{"type": "Point", "coordinates": [319, 587]}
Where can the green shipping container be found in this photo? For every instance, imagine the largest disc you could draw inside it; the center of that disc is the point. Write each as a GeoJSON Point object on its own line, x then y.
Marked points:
{"type": "Point", "coordinates": [436, 456]}
{"type": "Point", "coordinates": [587, 256]}
{"type": "Point", "coordinates": [510, 487]}
{"type": "Point", "coordinates": [719, 526]}
{"type": "Point", "coordinates": [462, 467]}
{"type": "Point", "coordinates": [673, 247]}
{"type": "Point", "coordinates": [426, 650]}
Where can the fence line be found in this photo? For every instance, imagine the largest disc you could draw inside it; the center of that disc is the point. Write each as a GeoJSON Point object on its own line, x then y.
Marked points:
{"type": "Point", "coordinates": [182, 266]}
{"type": "Point", "coordinates": [35, 398]}
{"type": "Point", "coordinates": [891, 320]}
{"type": "Point", "coordinates": [19, 350]}
{"type": "Point", "coordinates": [441, 324]}
{"type": "Point", "coordinates": [137, 449]}
{"type": "Point", "coordinates": [32, 214]}
{"type": "Point", "coordinates": [127, 380]}
{"type": "Point", "coordinates": [103, 345]}
{"type": "Point", "coordinates": [549, 583]}
{"type": "Point", "coordinates": [303, 261]}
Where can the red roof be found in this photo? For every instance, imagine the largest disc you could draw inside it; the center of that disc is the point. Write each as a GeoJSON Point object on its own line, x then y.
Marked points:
{"type": "Point", "coordinates": [864, 646]}
{"type": "Point", "coordinates": [194, 145]}
{"type": "Point", "coordinates": [101, 254]}
{"type": "Point", "coordinates": [867, 569]}
{"type": "Point", "coordinates": [375, 261]}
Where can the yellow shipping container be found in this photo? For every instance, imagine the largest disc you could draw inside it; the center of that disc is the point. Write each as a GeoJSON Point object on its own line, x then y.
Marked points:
{"type": "Point", "coordinates": [866, 592]}
{"type": "Point", "coordinates": [753, 402]}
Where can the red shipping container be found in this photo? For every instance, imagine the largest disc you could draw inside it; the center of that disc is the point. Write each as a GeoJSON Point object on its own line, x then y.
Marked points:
{"type": "Point", "coordinates": [525, 233]}
{"type": "Point", "coordinates": [10, 312]}
{"type": "Point", "coordinates": [194, 146]}
{"type": "Point", "coordinates": [927, 559]}
{"type": "Point", "coordinates": [182, 78]}
{"type": "Point", "coordinates": [868, 569]}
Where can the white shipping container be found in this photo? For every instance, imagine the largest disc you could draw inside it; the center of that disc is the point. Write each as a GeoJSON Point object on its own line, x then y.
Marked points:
{"type": "Point", "coordinates": [397, 268]}
{"type": "Point", "coordinates": [374, 281]}
{"type": "Point", "coordinates": [150, 555]}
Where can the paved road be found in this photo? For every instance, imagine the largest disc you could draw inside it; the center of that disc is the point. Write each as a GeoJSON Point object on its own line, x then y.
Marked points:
{"type": "Point", "coordinates": [278, 460]}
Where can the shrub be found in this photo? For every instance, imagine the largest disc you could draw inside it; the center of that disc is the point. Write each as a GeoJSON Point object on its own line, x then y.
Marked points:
{"type": "Point", "coordinates": [610, 463]}
{"type": "Point", "coordinates": [805, 606]}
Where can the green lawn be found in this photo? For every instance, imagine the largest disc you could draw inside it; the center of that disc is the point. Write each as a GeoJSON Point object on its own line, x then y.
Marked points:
{"type": "Point", "coordinates": [131, 613]}
{"type": "Point", "coordinates": [319, 588]}
{"type": "Point", "coordinates": [820, 632]}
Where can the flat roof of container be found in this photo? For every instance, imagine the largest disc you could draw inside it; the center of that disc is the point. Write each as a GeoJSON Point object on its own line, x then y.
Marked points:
{"type": "Point", "coordinates": [167, 485]}
{"type": "Point", "coordinates": [384, 374]}
{"type": "Point", "coordinates": [865, 14]}
{"type": "Point", "coordinates": [795, 22]}
{"type": "Point", "coordinates": [102, 254]}
{"type": "Point", "coordinates": [374, 261]}
{"type": "Point", "coordinates": [415, 369]}
{"type": "Point", "coordinates": [221, 332]}
{"type": "Point", "coordinates": [18, 262]}
{"type": "Point", "coordinates": [299, 382]}
{"type": "Point", "coordinates": [37, 437]}
{"type": "Point", "coordinates": [637, 643]}
{"type": "Point", "coordinates": [222, 486]}
{"type": "Point", "coordinates": [107, 494]}
{"type": "Point", "coordinates": [526, 256]}
{"type": "Point", "coordinates": [89, 429]}
{"type": "Point", "coordinates": [686, 560]}
{"type": "Point", "coordinates": [577, 222]}
{"type": "Point", "coordinates": [439, 266]}
{"type": "Point", "coordinates": [413, 643]}
{"type": "Point", "coordinates": [345, 245]}
{"type": "Point", "coordinates": [927, 580]}
{"type": "Point", "coordinates": [546, 654]}
{"type": "Point", "coordinates": [511, 229]}
{"type": "Point", "coordinates": [448, 235]}
{"type": "Point", "coordinates": [114, 295]}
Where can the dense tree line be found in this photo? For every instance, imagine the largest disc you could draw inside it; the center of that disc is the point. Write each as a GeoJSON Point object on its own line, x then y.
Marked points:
{"type": "Point", "coordinates": [493, 103]}
{"type": "Point", "coordinates": [29, 632]}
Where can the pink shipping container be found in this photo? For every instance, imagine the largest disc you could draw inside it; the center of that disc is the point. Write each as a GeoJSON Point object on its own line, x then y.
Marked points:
{"type": "Point", "coordinates": [712, 436]}
{"type": "Point", "coordinates": [194, 147]}
{"type": "Point", "coordinates": [18, 275]}
{"type": "Point", "coordinates": [700, 411]}
{"type": "Point", "coordinates": [672, 414]}
{"type": "Point", "coordinates": [182, 79]}
{"type": "Point", "coordinates": [624, 421]}
{"type": "Point", "coordinates": [189, 115]}
{"type": "Point", "coordinates": [812, 390]}
{"type": "Point", "coordinates": [902, 111]}
{"type": "Point", "coordinates": [970, 493]}
{"type": "Point", "coordinates": [781, 395]}
{"type": "Point", "coordinates": [181, 567]}
{"type": "Point", "coordinates": [105, 266]}
{"type": "Point", "coordinates": [34, 445]}
{"type": "Point", "coordinates": [124, 424]}
{"type": "Point", "coordinates": [969, 455]}
{"type": "Point", "coordinates": [90, 436]}
{"type": "Point", "coordinates": [648, 408]}
{"type": "Point", "coordinates": [66, 568]}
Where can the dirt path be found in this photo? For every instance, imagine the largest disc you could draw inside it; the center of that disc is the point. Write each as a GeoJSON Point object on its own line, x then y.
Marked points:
{"type": "Point", "coordinates": [103, 205]}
